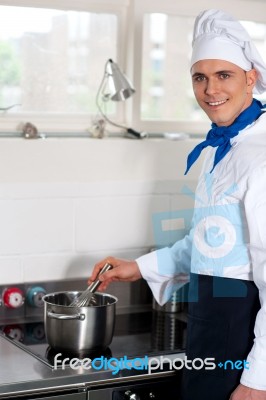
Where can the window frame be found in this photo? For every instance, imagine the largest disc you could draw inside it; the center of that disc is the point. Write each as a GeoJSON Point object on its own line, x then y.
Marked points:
{"type": "Point", "coordinates": [130, 15]}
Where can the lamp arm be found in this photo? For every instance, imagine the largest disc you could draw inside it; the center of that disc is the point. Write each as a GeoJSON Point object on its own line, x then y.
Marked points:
{"type": "Point", "coordinates": [133, 132]}
{"type": "Point", "coordinates": [98, 103]}
{"type": "Point", "coordinates": [107, 119]}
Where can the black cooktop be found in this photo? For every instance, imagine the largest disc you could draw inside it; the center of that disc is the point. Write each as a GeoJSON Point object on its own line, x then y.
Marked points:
{"type": "Point", "coordinates": [150, 333]}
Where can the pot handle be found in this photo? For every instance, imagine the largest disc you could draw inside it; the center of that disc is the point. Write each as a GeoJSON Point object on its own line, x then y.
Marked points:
{"type": "Point", "coordinates": [65, 316]}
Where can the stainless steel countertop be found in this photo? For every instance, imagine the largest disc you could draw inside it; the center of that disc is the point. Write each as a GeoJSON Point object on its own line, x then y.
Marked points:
{"type": "Point", "coordinates": [20, 372]}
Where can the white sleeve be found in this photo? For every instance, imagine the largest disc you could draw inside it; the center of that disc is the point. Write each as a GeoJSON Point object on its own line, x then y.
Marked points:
{"type": "Point", "coordinates": [166, 270]}
{"type": "Point", "coordinates": [255, 207]}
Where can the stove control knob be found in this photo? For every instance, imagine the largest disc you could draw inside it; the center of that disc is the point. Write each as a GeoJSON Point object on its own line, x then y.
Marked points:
{"type": "Point", "coordinates": [35, 295]}
{"type": "Point", "coordinates": [131, 396]}
{"type": "Point", "coordinates": [13, 297]}
{"type": "Point", "coordinates": [36, 331]}
{"type": "Point", "coordinates": [14, 332]}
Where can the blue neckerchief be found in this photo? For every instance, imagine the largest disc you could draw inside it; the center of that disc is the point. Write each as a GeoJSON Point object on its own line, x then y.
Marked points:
{"type": "Point", "coordinates": [219, 136]}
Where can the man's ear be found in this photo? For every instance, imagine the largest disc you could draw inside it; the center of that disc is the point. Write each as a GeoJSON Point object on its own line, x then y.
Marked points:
{"type": "Point", "coordinates": [251, 77]}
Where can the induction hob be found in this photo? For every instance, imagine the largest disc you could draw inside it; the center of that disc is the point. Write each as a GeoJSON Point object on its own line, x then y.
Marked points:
{"type": "Point", "coordinates": [148, 333]}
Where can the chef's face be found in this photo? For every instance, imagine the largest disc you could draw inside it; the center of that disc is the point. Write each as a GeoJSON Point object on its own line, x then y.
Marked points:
{"type": "Point", "coordinates": [222, 89]}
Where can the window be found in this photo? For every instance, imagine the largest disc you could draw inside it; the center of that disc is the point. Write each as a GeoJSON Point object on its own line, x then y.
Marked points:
{"type": "Point", "coordinates": [52, 61]}
{"type": "Point", "coordinates": [53, 54]}
{"type": "Point", "coordinates": [166, 91]}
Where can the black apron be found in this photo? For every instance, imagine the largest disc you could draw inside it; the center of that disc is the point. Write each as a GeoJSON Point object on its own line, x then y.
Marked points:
{"type": "Point", "coordinates": [221, 318]}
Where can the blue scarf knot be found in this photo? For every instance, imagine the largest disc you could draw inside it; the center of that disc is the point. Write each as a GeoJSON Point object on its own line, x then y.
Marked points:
{"type": "Point", "coordinates": [219, 136]}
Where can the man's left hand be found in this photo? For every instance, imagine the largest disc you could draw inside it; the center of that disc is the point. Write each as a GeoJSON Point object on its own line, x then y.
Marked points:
{"type": "Point", "coordinates": [245, 393]}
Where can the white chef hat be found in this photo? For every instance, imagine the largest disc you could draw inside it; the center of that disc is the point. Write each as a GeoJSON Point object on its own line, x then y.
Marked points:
{"type": "Point", "coordinates": [217, 35]}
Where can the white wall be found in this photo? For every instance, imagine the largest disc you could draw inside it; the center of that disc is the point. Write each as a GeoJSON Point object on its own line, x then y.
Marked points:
{"type": "Point", "coordinates": [66, 203]}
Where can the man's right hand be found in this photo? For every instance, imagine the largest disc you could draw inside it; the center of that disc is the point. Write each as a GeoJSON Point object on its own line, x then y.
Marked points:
{"type": "Point", "coordinates": [123, 270]}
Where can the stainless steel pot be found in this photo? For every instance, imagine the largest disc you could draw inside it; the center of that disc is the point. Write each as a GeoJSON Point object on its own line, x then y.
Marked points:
{"type": "Point", "coordinates": [79, 329]}
{"type": "Point", "coordinates": [175, 304]}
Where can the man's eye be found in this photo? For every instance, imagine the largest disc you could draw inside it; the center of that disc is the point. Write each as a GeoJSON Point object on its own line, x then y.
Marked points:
{"type": "Point", "coordinates": [199, 78]}
{"type": "Point", "coordinates": [224, 76]}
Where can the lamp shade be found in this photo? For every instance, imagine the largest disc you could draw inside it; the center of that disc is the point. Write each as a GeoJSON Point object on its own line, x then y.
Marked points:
{"type": "Point", "coordinates": [119, 85]}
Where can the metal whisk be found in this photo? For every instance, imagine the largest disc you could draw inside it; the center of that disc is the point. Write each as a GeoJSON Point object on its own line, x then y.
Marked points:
{"type": "Point", "coordinates": [86, 298]}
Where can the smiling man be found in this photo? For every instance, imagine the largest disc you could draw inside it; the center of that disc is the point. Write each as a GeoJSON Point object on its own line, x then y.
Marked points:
{"type": "Point", "coordinates": [226, 70]}
{"type": "Point", "coordinates": [225, 251]}
{"type": "Point", "coordinates": [222, 89]}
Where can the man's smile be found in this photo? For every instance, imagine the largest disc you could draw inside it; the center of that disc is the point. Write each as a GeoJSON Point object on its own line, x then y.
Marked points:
{"type": "Point", "coordinates": [216, 103]}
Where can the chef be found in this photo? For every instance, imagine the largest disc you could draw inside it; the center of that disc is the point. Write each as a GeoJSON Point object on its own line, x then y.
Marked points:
{"type": "Point", "coordinates": [224, 255]}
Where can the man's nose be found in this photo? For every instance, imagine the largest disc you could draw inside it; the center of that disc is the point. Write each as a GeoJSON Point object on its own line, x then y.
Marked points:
{"type": "Point", "coordinates": [212, 86]}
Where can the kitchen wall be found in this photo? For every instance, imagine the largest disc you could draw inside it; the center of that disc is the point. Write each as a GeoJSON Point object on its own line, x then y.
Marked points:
{"type": "Point", "coordinates": [66, 203]}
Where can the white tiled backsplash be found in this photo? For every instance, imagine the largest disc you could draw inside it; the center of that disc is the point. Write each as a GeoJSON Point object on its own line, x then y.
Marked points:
{"type": "Point", "coordinates": [67, 203]}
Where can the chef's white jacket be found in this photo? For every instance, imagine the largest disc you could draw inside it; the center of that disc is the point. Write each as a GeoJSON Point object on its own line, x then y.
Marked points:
{"type": "Point", "coordinates": [233, 195]}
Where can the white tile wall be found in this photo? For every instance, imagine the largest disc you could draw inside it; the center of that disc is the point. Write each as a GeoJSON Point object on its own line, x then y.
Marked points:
{"type": "Point", "coordinates": [11, 270]}
{"type": "Point", "coordinates": [36, 226]}
{"type": "Point", "coordinates": [117, 222]}
{"type": "Point", "coordinates": [65, 204]}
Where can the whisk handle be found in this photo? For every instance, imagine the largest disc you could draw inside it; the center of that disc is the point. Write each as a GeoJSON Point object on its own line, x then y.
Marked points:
{"type": "Point", "coordinates": [94, 285]}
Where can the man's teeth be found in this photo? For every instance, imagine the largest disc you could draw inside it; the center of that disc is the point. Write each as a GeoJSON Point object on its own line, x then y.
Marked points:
{"type": "Point", "coordinates": [217, 103]}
